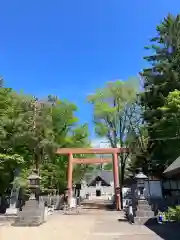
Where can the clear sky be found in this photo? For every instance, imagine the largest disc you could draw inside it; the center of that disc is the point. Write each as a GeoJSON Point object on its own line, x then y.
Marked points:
{"type": "Point", "coordinates": [71, 47]}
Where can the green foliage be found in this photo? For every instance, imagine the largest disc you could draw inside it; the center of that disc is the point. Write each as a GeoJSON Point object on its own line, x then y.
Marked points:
{"type": "Point", "coordinates": [113, 110]}
{"type": "Point", "coordinates": [5, 159]}
{"type": "Point", "coordinates": [172, 214]}
{"type": "Point", "coordinates": [170, 125]}
{"type": "Point", "coordinates": [115, 116]}
{"type": "Point", "coordinates": [30, 131]}
{"type": "Point", "coordinates": [8, 163]}
{"type": "Point", "coordinates": [160, 79]}
{"type": "Point", "coordinates": [108, 166]}
{"type": "Point", "coordinates": [138, 147]}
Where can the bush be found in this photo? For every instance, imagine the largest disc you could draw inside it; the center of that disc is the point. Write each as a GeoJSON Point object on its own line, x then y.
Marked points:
{"type": "Point", "coordinates": [173, 214]}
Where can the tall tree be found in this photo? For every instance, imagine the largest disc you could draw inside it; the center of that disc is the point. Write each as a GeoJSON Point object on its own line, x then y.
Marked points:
{"type": "Point", "coordinates": [114, 110]}
{"type": "Point", "coordinates": [161, 78]}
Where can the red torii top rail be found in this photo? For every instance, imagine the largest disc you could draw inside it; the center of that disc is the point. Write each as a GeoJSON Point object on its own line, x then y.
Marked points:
{"type": "Point", "coordinates": [64, 151]}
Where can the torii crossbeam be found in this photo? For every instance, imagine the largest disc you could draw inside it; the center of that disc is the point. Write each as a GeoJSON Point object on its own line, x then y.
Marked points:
{"type": "Point", "coordinates": [113, 151]}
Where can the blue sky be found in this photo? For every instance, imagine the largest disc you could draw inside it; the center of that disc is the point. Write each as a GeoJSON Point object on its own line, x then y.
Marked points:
{"type": "Point", "coordinates": [71, 47]}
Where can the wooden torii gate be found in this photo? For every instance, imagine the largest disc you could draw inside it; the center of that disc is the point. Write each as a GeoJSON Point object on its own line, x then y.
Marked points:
{"type": "Point", "coordinates": [72, 160]}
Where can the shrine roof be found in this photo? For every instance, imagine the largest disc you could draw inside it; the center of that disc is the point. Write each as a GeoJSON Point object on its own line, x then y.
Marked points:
{"type": "Point", "coordinates": [174, 168]}
{"type": "Point", "coordinates": [106, 175]}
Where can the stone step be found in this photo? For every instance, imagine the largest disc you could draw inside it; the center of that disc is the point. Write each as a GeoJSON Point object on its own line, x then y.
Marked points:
{"type": "Point", "coordinates": [145, 207]}
{"type": "Point", "coordinates": [97, 206]}
{"type": "Point", "coordinates": [22, 218]}
{"type": "Point", "coordinates": [31, 205]}
{"type": "Point", "coordinates": [142, 202]}
{"type": "Point", "coordinates": [4, 218]}
{"type": "Point", "coordinates": [33, 223]}
{"type": "Point", "coordinates": [36, 221]}
{"type": "Point", "coordinates": [30, 211]}
{"type": "Point", "coordinates": [87, 204]}
{"type": "Point", "coordinates": [97, 200]}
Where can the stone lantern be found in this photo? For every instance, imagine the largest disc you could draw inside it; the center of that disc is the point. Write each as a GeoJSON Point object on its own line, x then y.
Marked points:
{"type": "Point", "coordinates": [141, 180]}
{"type": "Point", "coordinates": [34, 184]}
{"type": "Point", "coordinates": [143, 212]}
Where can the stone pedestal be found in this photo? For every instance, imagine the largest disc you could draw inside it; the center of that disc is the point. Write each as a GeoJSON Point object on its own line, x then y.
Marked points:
{"type": "Point", "coordinates": [32, 214]}
{"type": "Point", "coordinates": [144, 213]}
{"type": "Point", "coordinates": [12, 210]}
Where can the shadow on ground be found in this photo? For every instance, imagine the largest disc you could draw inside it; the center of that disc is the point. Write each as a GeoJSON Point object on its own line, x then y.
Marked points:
{"type": "Point", "coordinates": [122, 220]}
{"type": "Point", "coordinates": [102, 206]}
{"type": "Point", "coordinates": [167, 231]}
{"type": "Point", "coordinates": [111, 207]}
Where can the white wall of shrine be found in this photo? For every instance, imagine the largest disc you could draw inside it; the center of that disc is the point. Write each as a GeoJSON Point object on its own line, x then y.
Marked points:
{"type": "Point", "coordinates": [105, 191]}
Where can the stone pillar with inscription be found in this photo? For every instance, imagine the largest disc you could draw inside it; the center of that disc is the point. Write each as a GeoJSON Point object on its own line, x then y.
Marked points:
{"type": "Point", "coordinates": [12, 210]}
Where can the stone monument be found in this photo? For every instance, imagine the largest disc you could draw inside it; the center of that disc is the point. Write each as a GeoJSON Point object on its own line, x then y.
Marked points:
{"type": "Point", "coordinates": [12, 210]}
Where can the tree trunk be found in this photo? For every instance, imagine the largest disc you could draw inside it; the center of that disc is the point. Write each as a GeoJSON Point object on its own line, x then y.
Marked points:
{"type": "Point", "coordinates": [37, 162]}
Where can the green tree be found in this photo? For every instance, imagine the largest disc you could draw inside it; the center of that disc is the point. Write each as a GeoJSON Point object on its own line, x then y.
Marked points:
{"type": "Point", "coordinates": [114, 109]}
{"type": "Point", "coordinates": [170, 123]}
{"type": "Point", "coordinates": [8, 163]}
{"type": "Point", "coordinates": [140, 158]}
{"type": "Point", "coordinates": [68, 133]}
{"type": "Point", "coordinates": [33, 129]}
{"type": "Point", "coordinates": [10, 119]}
{"type": "Point", "coordinates": [161, 78]}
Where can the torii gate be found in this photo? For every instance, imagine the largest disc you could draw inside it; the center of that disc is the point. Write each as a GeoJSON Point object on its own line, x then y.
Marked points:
{"type": "Point", "coordinates": [72, 160]}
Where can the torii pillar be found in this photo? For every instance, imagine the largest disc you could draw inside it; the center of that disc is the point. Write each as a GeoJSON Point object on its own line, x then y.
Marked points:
{"type": "Point", "coordinates": [116, 181]}
{"type": "Point", "coordinates": [70, 174]}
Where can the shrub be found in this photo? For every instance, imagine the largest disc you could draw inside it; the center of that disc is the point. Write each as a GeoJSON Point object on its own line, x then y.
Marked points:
{"type": "Point", "coordinates": [173, 214]}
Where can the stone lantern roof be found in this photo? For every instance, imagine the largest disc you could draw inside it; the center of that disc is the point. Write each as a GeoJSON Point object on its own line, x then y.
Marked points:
{"type": "Point", "coordinates": [141, 175]}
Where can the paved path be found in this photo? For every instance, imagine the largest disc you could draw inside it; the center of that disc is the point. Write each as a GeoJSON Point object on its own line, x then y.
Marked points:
{"type": "Point", "coordinates": [90, 225]}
